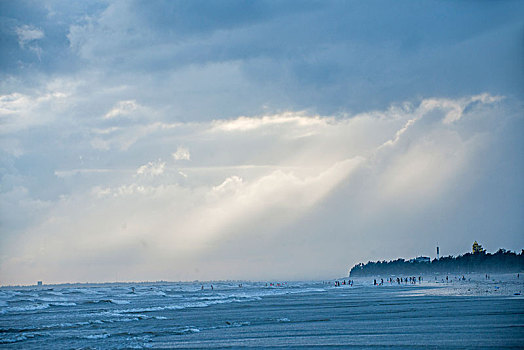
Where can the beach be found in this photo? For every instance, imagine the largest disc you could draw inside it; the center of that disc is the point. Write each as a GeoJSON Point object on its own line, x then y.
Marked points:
{"type": "Point", "coordinates": [470, 313]}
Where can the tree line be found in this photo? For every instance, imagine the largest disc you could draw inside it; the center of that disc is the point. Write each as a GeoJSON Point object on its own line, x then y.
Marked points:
{"type": "Point", "coordinates": [503, 261]}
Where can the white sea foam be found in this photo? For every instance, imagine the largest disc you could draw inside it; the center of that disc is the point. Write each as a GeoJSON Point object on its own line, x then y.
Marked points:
{"type": "Point", "coordinates": [51, 299]}
{"type": "Point", "coordinates": [97, 336]}
{"type": "Point", "coordinates": [63, 304]}
{"type": "Point", "coordinates": [87, 291]}
{"type": "Point", "coordinates": [55, 293]}
{"type": "Point", "coordinates": [14, 339]}
{"type": "Point", "coordinates": [190, 330]}
{"type": "Point", "coordinates": [152, 292]}
{"type": "Point", "coordinates": [24, 308]}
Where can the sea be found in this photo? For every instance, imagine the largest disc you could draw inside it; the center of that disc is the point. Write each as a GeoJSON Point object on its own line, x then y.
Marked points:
{"type": "Point", "coordinates": [464, 312]}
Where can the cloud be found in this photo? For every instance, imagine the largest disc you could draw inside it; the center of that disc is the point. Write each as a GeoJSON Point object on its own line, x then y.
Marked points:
{"type": "Point", "coordinates": [27, 35]}
{"type": "Point", "coordinates": [256, 193]}
{"type": "Point", "coordinates": [248, 123]}
{"type": "Point", "coordinates": [349, 135]}
{"type": "Point", "coordinates": [122, 108]}
{"type": "Point", "coordinates": [182, 153]}
{"type": "Point", "coordinates": [20, 111]}
{"type": "Point", "coordinates": [152, 168]}
{"type": "Point", "coordinates": [324, 58]}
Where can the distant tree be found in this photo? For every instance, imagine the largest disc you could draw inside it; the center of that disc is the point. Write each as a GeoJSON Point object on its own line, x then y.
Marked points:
{"type": "Point", "coordinates": [501, 261]}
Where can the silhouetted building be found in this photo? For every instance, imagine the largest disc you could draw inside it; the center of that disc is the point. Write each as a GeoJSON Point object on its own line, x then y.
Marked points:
{"type": "Point", "coordinates": [420, 259]}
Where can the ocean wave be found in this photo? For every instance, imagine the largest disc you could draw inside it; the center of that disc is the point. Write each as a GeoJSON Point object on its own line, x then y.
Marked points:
{"type": "Point", "coordinates": [275, 292]}
{"type": "Point", "coordinates": [109, 301]}
{"type": "Point", "coordinates": [187, 330]}
{"type": "Point", "coordinates": [237, 324]}
{"type": "Point", "coordinates": [63, 304]}
{"type": "Point", "coordinates": [19, 337]}
{"type": "Point", "coordinates": [96, 336]}
{"type": "Point", "coordinates": [187, 305]}
{"type": "Point", "coordinates": [88, 291]}
{"type": "Point", "coordinates": [55, 293]}
{"type": "Point", "coordinates": [50, 327]}
{"type": "Point", "coordinates": [23, 300]}
{"type": "Point", "coordinates": [122, 316]}
{"type": "Point", "coordinates": [27, 308]}
{"type": "Point", "coordinates": [15, 339]}
{"type": "Point", "coordinates": [51, 299]}
{"type": "Point", "coordinates": [144, 309]}
{"type": "Point", "coordinates": [152, 292]}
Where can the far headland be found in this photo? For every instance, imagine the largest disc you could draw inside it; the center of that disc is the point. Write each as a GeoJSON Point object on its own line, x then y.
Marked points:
{"type": "Point", "coordinates": [477, 261]}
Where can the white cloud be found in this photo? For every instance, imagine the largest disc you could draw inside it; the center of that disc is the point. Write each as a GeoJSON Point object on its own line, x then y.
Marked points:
{"type": "Point", "coordinates": [229, 184]}
{"type": "Point", "coordinates": [298, 119]}
{"type": "Point", "coordinates": [152, 168]}
{"type": "Point", "coordinates": [27, 37]}
{"type": "Point", "coordinates": [27, 34]}
{"type": "Point", "coordinates": [122, 108]}
{"type": "Point", "coordinates": [182, 153]}
{"type": "Point", "coordinates": [20, 111]}
{"type": "Point", "coordinates": [73, 172]}
{"type": "Point", "coordinates": [254, 193]}
{"type": "Point", "coordinates": [328, 172]}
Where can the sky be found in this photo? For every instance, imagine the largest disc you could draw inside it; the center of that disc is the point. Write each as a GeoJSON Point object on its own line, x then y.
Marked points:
{"type": "Point", "coordinates": [256, 140]}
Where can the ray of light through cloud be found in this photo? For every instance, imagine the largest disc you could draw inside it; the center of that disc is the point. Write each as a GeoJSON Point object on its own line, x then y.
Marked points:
{"type": "Point", "coordinates": [137, 140]}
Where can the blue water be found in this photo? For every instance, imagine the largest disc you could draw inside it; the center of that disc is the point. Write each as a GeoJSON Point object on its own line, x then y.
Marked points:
{"type": "Point", "coordinates": [309, 314]}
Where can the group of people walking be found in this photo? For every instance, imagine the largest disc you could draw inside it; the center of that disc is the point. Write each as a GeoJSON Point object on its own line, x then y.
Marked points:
{"type": "Point", "coordinates": [399, 280]}
{"type": "Point", "coordinates": [349, 283]}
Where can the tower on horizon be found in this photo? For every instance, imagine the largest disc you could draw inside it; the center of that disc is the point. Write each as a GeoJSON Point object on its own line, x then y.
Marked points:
{"type": "Point", "coordinates": [438, 252]}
